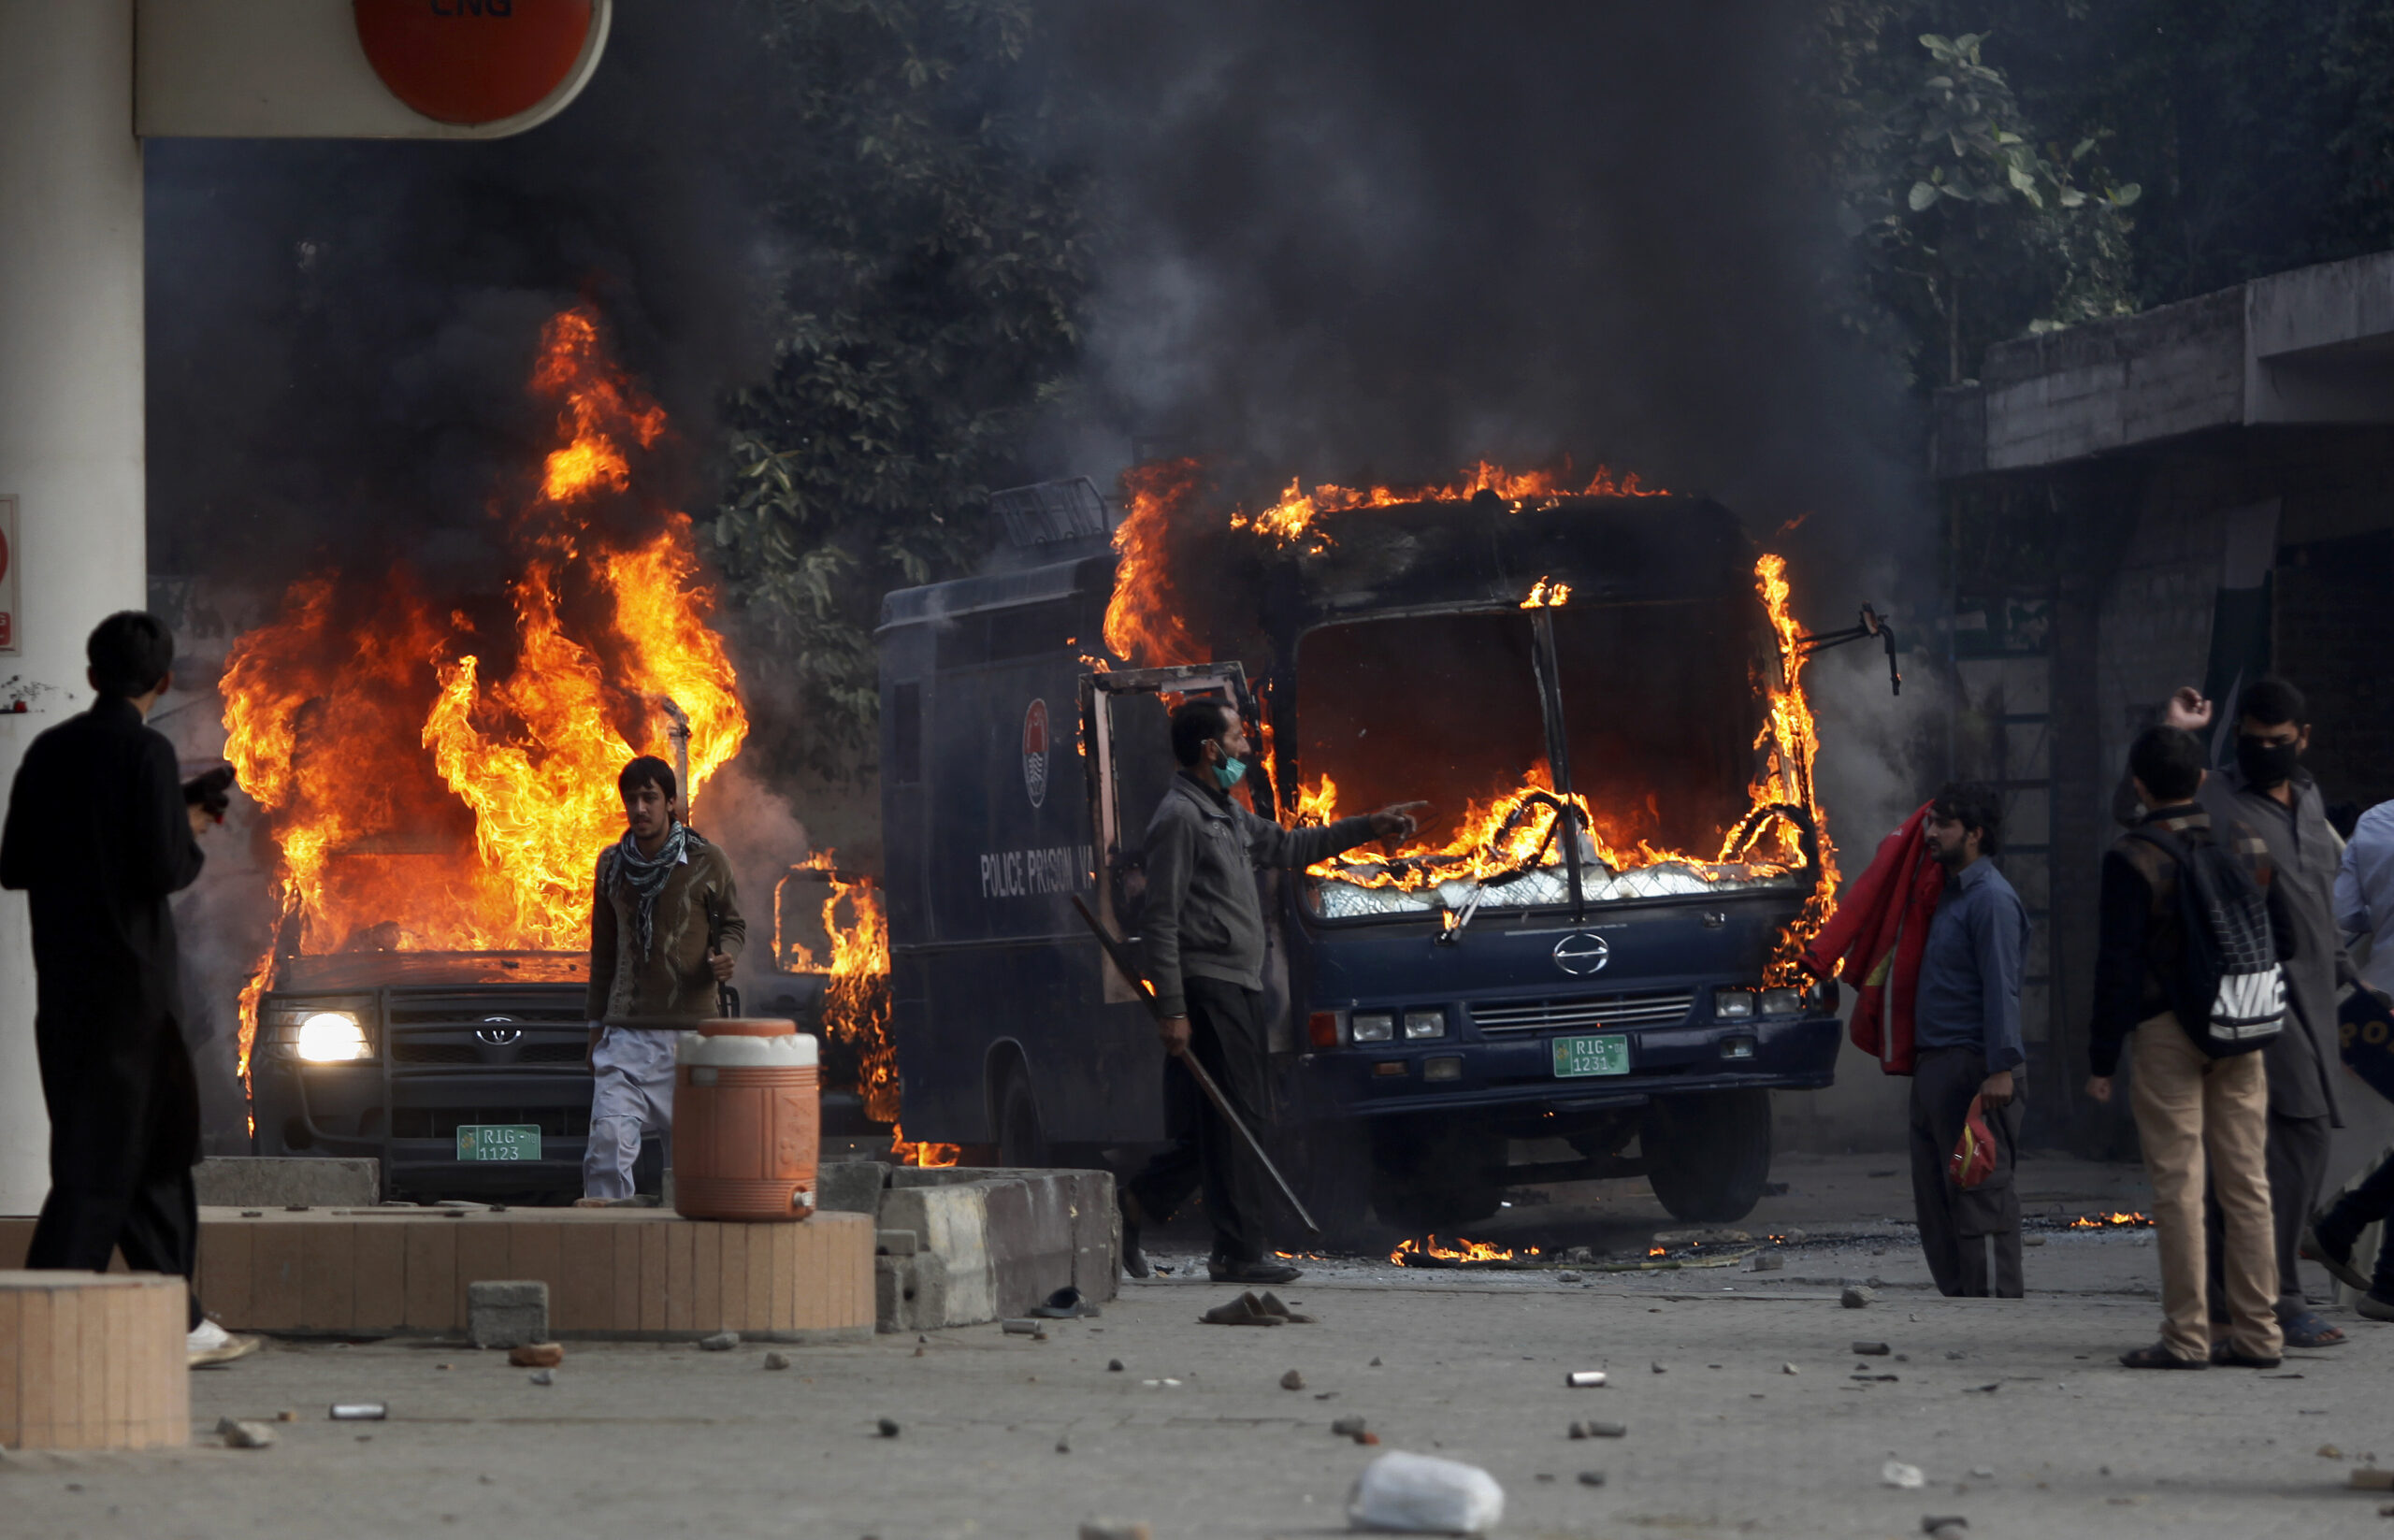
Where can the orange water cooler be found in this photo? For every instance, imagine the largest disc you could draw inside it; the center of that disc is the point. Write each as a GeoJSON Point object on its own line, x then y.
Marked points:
{"type": "Point", "coordinates": [747, 1121]}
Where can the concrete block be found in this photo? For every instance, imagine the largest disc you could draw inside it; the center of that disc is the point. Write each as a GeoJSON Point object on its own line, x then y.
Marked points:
{"type": "Point", "coordinates": [280, 1181]}
{"type": "Point", "coordinates": [897, 1243]}
{"type": "Point", "coordinates": [849, 1187]}
{"type": "Point", "coordinates": [993, 1242]}
{"type": "Point", "coordinates": [507, 1312]}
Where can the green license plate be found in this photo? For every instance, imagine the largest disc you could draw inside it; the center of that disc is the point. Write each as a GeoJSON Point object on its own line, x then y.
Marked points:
{"type": "Point", "coordinates": [504, 1140]}
{"type": "Point", "coordinates": [1584, 1056]}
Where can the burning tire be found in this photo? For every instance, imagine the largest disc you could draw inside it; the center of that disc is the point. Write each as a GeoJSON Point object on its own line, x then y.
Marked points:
{"type": "Point", "coordinates": [1708, 1153]}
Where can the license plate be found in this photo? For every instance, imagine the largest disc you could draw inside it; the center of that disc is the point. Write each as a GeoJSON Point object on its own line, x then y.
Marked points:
{"type": "Point", "coordinates": [1585, 1055]}
{"type": "Point", "coordinates": [500, 1141]}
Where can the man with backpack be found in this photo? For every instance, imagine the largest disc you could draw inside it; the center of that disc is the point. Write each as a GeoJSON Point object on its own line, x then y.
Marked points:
{"type": "Point", "coordinates": [2193, 928]}
{"type": "Point", "coordinates": [2268, 790]}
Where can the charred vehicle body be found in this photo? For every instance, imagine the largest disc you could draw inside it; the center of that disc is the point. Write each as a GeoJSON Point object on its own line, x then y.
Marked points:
{"type": "Point", "coordinates": [1581, 686]}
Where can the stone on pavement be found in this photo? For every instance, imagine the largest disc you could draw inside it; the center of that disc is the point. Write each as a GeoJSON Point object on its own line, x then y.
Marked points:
{"type": "Point", "coordinates": [536, 1355]}
{"type": "Point", "coordinates": [237, 1434]}
{"type": "Point", "coordinates": [507, 1312]}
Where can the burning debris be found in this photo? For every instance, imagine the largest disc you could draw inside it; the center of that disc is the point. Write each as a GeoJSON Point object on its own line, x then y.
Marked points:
{"type": "Point", "coordinates": [436, 774]}
{"type": "Point", "coordinates": [2114, 1220]}
{"type": "Point", "coordinates": [855, 991]}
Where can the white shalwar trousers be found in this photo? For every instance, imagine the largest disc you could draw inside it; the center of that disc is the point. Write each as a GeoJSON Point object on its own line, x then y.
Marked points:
{"type": "Point", "coordinates": [631, 1092]}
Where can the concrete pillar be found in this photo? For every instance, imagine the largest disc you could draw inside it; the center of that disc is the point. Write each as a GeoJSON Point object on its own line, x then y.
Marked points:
{"type": "Point", "coordinates": [71, 431]}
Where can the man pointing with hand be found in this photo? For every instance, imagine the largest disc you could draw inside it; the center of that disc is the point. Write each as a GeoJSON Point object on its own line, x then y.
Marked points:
{"type": "Point", "coordinates": [1202, 936]}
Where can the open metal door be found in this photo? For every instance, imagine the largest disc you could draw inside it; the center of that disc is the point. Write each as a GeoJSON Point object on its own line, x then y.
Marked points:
{"type": "Point", "coordinates": [1126, 720]}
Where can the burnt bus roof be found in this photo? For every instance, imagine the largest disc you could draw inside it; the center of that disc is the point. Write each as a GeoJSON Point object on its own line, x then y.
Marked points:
{"type": "Point", "coordinates": [1489, 551]}
{"type": "Point", "coordinates": [1482, 553]}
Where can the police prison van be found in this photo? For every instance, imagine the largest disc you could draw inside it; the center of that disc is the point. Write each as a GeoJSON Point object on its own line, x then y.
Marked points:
{"type": "Point", "coordinates": [1528, 984]}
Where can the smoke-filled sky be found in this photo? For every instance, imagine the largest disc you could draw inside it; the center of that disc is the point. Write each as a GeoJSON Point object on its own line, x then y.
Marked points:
{"type": "Point", "coordinates": [1399, 236]}
{"type": "Point", "coordinates": [1346, 239]}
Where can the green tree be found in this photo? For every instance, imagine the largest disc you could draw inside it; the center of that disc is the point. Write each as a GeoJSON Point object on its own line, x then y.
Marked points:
{"type": "Point", "coordinates": [1968, 231]}
{"type": "Point", "coordinates": [940, 258]}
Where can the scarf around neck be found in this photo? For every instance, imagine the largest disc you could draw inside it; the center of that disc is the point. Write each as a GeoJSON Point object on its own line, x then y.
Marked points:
{"type": "Point", "coordinates": [645, 876]}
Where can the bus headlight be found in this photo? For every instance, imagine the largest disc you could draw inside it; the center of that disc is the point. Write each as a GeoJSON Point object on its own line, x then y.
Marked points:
{"type": "Point", "coordinates": [1374, 1025]}
{"type": "Point", "coordinates": [333, 1037]}
{"type": "Point", "coordinates": [1782, 1003]}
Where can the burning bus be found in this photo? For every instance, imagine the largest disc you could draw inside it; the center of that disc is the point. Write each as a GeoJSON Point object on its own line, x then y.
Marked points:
{"type": "Point", "coordinates": [436, 774]}
{"type": "Point", "coordinates": [1591, 938]}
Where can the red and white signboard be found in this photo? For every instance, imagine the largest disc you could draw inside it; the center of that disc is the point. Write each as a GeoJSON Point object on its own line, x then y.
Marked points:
{"type": "Point", "coordinates": [10, 644]}
{"type": "Point", "coordinates": [473, 62]}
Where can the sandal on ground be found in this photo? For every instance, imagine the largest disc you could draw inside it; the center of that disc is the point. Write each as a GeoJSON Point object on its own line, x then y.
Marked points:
{"type": "Point", "coordinates": [1247, 1310]}
{"type": "Point", "coordinates": [2227, 1355]}
{"type": "Point", "coordinates": [1270, 1304]}
{"type": "Point", "coordinates": [2158, 1357]}
{"type": "Point", "coordinates": [2338, 1260]}
{"type": "Point", "coordinates": [2305, 1328]}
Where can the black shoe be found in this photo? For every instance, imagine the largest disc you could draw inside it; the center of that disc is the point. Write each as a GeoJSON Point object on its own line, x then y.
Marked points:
{"type": "Point", "coordinates": [2227, 1355]}
{"type": "Point", "coordinates": [1264, 1270]}
{"type": "Point", "coordinates": [1135, 1262]}
{"type": "Point", "coordinates": [2333, 1252]}
{"type": "Point", "coordinates": [2158, 1357]}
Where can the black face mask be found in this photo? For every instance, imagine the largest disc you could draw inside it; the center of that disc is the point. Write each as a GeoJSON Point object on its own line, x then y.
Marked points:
{"type": "Point", "coordinates": [2266, 765]}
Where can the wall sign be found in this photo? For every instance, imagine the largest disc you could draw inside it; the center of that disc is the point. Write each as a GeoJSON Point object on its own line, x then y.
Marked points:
{"type": "Point", "coordinates": [473, 61]}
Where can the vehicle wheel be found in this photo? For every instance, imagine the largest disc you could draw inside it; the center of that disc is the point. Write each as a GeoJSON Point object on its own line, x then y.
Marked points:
{"type": "Point", "coordinates": [1329, 1164]}
{"type": "Point", "coordinates": [1021, 1142]}
{"type": "Point", "coordinates": [1433, 1178]}
{"type": "Point", "coordinates": [1708, 1153]}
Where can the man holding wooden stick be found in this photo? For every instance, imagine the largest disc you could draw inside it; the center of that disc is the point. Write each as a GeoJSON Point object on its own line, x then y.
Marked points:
{"type": "Point", "coordinates": [1203, 937]}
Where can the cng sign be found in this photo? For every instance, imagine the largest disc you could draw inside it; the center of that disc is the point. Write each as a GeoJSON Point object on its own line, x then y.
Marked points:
{"type": "Point", "coordinates": [1035, 752]}
{"type": "Point", "coordinates": [473, 61]}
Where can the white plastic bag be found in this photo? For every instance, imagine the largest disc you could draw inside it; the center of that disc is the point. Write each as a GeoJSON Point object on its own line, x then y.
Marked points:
{"type": "Point", "coordinates": [1422, 1494]}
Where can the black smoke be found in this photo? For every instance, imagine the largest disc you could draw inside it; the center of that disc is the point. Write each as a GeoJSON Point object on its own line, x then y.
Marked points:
{"type": "Point", "coordinates": [1375, 240]}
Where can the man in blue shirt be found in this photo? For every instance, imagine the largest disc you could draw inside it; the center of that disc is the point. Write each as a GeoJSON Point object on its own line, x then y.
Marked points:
{"type": "Point", "coordinates": [1967, 1041]}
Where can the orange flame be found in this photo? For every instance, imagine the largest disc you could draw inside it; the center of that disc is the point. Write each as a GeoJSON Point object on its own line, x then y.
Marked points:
{"type": "Point", "coordinates": [856, 1000]}
{"type": "Point", "coordinates": [2114, 1220]}
{"type": "Point", "coordinates": [932, 1157]}
{"type": "Point", "coordinates": [1545, 596]}
{"type": "Point", "coordinates": [1461, 1251]}
{"type": "Point", "coordinates": [373, 734]}
{"type": "Point", "coordinates": [1144, 618]}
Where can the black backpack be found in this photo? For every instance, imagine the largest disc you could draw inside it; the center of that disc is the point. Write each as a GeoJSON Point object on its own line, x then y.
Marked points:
{"type": "Point", "coordinates": [2229, 992]}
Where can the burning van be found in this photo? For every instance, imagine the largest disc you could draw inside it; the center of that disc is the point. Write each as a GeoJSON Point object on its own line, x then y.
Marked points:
{"type": "Point", "coordinates": [1592, 939]}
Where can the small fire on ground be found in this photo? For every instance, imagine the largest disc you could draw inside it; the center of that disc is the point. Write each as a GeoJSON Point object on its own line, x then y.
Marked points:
{"type": "Point", "coordinates": [2114, 1220]}
{"type": "Point", "coordinates": [1428, 1251]}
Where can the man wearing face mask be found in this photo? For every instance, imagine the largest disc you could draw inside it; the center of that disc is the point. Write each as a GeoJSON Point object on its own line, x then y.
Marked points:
{"type": "Point", "coordinates": [1966, 1017]}
{"type": "Point", "coordinates": [2268, 790]}
{"type": "Point", "coordinates": [1202, 935]}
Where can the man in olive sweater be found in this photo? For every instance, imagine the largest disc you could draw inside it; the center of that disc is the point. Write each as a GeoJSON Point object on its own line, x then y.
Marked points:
{"type": "Point", "coordinates": [1201, 936]}
{"type": "Point", "coordinates": [665, 933]}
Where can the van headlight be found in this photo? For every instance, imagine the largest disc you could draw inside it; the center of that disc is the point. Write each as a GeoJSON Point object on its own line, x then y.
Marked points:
{"type": "Point", "coordinates": [1782, 1003]}
{"type": "Point", "coordinates": [1374, 1025]}
{"type": "Point", "coordinates": [333, 1037]}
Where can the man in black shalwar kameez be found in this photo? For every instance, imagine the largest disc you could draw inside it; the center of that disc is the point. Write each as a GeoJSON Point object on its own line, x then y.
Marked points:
{"type": "Point", "coordinates": [98, 834]}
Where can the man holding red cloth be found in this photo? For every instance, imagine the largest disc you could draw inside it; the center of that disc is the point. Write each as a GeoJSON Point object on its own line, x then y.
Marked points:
{"type": "Point", "coordinates": [1933, 936]}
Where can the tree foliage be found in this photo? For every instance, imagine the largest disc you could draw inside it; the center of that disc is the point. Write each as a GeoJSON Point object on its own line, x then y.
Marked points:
{"type": "Point", "coordinates": [938, 258]}
{"type": "Point", "coordinates": [2259, 132]}
{"type": "Point", "coordinates": [1967, 230]}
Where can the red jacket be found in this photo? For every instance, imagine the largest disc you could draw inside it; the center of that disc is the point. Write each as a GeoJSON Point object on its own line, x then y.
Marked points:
{"type": "Point", "coordinates": [1875, 939]}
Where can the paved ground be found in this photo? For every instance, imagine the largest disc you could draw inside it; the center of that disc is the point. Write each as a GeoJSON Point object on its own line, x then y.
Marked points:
{"type": "Point", "coordinates": [2014, 1411]}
